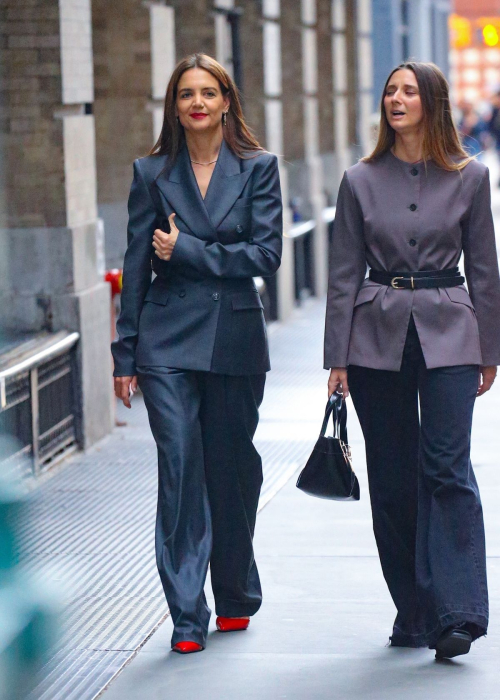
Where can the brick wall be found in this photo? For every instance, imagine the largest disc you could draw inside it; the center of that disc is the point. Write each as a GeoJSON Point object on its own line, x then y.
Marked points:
{"type": "Point", "coordinates": [325, 77]}
{"type": "Point", "coordinates": [352, 68]}
{"type": "Point", "coordinates": [195, 27]}
{"type": "Point", "coordinates": [30, 89]}
{"type": "Point", "coordinates": [293, 109]}
{"type": "Point", "coordinates": [253, 67]}
{"type": "Point", "coordinates": [122, 75]}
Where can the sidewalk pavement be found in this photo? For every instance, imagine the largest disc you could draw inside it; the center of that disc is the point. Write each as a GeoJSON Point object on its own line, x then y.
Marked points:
{"type": "Point", "coordinates": [327, 615]}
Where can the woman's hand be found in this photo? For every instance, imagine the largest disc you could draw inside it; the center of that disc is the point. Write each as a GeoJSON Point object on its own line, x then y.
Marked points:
{"type": "Point", "coordinates": [488, 375]}
{"type": "Point", "coordinates": [338, 381]}
{"type": "Point", "coordinates": [125, 388]}
{"type": "Point", "coordinates": [164, 243]}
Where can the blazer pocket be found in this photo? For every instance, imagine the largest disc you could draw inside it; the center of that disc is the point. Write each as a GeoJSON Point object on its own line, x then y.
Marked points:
{"type": "Point", "coordinates": [459, 295]}
{"type": "Point", "coordinates": [157, 295]}
{"type": "Point", "coordinates": [242, 202]}
{"type": "Point", "coordinates": [366, 294]}
{"type": "Point", "coordinates": [246, 300]}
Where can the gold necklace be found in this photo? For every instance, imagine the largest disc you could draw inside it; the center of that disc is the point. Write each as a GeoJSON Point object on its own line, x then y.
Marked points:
{"type": "Point", "coordinates": [196, 162]}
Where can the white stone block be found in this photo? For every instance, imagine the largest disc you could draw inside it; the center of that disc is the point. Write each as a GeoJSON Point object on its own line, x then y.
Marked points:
{"type": "Point", "coordinates": [341, 132]}
{"type": "Point", "coordinates": [272, 59]}
{"type": "Point", "coordinates": [271, 9]}
{"type": "Point", "coordinates": [309, 61]}
{"type": "Point", "coordinates": [308, 11]}
{"type": "Point", "coordinates": [311, 127]}
{"type": "Point", "coordinates": [364, 16]}
{"type": "Point", "coordinates": [162, 24]}
{"type": "Point", "coordinates": [339, 62]}
{"type": "Point", "coordinates": [365, 63]}
{"type": "Point", "coordinates": [338, 15]}
{"type": "Point", "coordinates": [365, 116]}
{"type": "Point", "coordinates": [76, 51]}
{"type": "Point", "coordinates": [80, 169]}
{"type": "Point", "coordinates": [223, 45]}
{"type": "Point", "coordinates": [157, 118]}
{"type": "Point", "coordinates": [274, 125]}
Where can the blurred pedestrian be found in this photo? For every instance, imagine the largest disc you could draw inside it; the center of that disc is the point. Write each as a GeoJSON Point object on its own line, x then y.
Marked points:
{"type": "Point", "coordinates": [205, 213]}
{"type": "Point", "coordinates": [494, 123]}
{"type": "Point", "coordinates": [472, 129]}
{"type": "Point", "coordinates": [410, 334]}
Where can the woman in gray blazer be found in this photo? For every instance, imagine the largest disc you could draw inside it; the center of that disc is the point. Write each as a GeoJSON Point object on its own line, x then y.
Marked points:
{"type": "Point", "coordinates": [410, 334]}
{"type": "Point", "coordinates": [205, 215]}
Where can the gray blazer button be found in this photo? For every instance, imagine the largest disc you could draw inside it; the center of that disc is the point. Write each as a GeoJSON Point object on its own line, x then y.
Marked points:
{"type": "Point", "coordinates": [413, 207]}
{"type": "Point", "coordinates": [239, 228]}
{"type": "Point", "coordinates": [182, 293]}
{"type": "Point", "coordinates": [414, 171]}
{"type": "Point", "coordinates": [412, 242]}
{"type": "Point", "coordinates": [216, 296]}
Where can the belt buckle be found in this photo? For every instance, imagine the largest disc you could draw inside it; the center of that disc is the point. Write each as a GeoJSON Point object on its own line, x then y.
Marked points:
{"type": "Point", "coordinates": [394, 282]}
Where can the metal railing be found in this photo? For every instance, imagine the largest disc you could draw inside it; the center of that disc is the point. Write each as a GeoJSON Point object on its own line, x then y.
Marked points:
{"type": "Point", "coordinates": [38, 406]}
{"type": "Point", "coordinates": [302, 234]}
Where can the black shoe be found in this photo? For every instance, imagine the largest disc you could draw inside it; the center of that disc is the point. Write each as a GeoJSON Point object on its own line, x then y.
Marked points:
{"type": "Point", "coordinates": [454, 642]}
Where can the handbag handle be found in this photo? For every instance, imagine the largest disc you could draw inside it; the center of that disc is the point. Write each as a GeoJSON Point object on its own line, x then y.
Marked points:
{"type": "Point", "coordinates": [336, 407]}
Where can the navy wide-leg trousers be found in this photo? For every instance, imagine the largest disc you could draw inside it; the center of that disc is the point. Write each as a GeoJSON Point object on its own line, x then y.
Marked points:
{"type": "Point", "coordinates": [209, 480]}
{"type": "Point", "coordinates": [427, 513]}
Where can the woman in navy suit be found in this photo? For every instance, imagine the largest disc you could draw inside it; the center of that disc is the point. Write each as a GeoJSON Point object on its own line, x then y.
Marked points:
{"type": "Point", "coordinates": [205, 214]}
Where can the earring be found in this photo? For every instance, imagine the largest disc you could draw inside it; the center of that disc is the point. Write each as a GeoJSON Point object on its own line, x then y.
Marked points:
{"type": "Point", "coordinates": [224, 118]}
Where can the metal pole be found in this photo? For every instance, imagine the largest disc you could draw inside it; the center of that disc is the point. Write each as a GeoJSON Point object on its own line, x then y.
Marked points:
{"type": "Point", "coordinates": [233, 18]}
{"type": "Point", "coordinates": [35, 421]}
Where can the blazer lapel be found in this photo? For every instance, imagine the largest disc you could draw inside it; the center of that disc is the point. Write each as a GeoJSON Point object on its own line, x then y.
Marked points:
{"type": "Point", "coordinates": [225, 185]}
{"type": "Point", "coordinates": [180, 189]}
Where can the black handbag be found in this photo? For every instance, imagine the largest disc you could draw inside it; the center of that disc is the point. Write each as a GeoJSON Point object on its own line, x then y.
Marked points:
{"type": "Point", "coordinates": [328, 472]}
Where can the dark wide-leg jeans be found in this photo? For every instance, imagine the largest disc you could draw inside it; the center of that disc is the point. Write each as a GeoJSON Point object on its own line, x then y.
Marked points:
{"type": "Point", "coordinates": [209, 480]}
{"type": "Point", "coordinates": [427, 513]}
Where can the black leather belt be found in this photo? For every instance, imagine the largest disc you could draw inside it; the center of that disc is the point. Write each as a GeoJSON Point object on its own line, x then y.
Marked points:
{"type": "Point", "coordinates": [423, 279]}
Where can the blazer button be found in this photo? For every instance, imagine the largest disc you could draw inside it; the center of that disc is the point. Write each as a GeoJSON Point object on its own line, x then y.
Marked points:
{"type": "Point", "coordinates": [413, 207]}
{"type": "Point", "coordinates": [239, 228]}
{"type": "Point", "coordinates": [414, 171]}
{"type": "Point", "coordinates": [216, 296]}
{"type": "Point", "coordinates": [412, 242]}
{"type": "Point", "coordinates": [182, 293]}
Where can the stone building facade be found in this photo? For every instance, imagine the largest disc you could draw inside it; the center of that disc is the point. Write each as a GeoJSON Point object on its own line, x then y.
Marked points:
{"type": "Point", "coordinates": [409, 29]}
{"type": "Point", "coordinates": [49, 227]}
{"type": "Point", "coordinates": [81, 95]}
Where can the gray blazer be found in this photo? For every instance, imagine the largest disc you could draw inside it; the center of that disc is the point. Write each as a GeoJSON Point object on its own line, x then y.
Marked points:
{"type": "Point", "coordinates": [376, 224]}
{"type": "Point", "coordinates": [202, 310]}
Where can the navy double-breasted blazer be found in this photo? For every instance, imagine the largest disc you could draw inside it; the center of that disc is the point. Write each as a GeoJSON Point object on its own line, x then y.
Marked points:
{"type": "Point", "coordinates": [202, 310]}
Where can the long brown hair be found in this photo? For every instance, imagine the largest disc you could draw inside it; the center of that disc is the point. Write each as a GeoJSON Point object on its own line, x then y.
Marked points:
{"type": "Point", "coordinates": [237, 134]}
{"type": "Point", "coordinates": [441, 142]}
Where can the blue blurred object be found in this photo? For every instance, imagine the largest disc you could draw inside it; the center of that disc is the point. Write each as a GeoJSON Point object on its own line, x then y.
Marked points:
{"type": "Point", "coordinates": [473, 137]}
{"type": "Point", "coordinates": [295, 207]}
{"type": "Point", "coordinates": [28, 613]}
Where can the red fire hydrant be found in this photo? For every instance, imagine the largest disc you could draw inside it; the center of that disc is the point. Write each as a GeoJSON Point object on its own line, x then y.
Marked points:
{"type": "Point", "coordinates": [115, 278]}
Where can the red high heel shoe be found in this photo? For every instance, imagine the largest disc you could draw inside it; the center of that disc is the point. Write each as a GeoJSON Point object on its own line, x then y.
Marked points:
{"type": "Point", "coordinates": [187, 647]}
{"type": "Point", "coordinates": [232, 624]}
